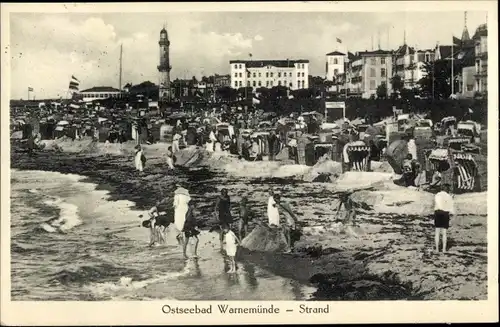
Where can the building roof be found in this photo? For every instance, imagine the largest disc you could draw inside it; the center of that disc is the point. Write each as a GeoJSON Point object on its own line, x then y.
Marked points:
{"type": "Point", "coordinates": [264, 63]}
{"type": "Point", "coordinates": [335, 53]}
{"type": "Point", "coordinates": [403, 49]}
{"type": "Point", "coordinates": [426, 51]}
{"type": "Point", "coordinates": [482, 30]}
{"type": "Point", "coordinates": [101, 89]}
{"type": "Point", "coordinates": [375, 53]}
{"type": "Point", "coordinates": [465, 34]}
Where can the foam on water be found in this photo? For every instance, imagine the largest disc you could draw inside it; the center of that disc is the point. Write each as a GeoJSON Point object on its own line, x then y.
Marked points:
{"type": "Point", "coordinates": [68, 216]}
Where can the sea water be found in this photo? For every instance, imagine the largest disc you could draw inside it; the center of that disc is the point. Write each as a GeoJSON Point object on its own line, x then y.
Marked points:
{"type": "Point", "coordinates": [69, 242]}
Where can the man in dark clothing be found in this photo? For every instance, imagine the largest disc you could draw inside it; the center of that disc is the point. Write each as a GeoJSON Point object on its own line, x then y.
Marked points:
{"type": "Point", "coordinates": [272, 140]}
{"type": "Point", "coordinates": [31, 144]}
{"type": "Point", "coordinates": [223, 213]}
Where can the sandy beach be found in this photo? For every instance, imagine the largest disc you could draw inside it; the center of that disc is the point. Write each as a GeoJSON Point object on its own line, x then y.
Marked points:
{"type": "Point", "coordinates": [388, 256]}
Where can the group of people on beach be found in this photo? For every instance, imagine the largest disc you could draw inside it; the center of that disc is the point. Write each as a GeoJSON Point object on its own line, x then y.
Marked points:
{"type": "Point", "coordinates": [180, 213]}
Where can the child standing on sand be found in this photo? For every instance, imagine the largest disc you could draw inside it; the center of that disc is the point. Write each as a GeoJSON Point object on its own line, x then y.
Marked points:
{"type": "Point", "coordinates": [444, 208]}
{"type": "Point", "coordinates": [231, 247]}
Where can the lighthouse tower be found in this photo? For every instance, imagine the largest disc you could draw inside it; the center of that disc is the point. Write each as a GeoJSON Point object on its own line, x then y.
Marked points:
{"type": "Point", "coordinates": [164, 67]}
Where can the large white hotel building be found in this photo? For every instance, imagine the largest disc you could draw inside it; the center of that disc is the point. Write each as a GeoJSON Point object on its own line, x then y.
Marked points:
{"type": "Point", "coordinates": [293, 74]}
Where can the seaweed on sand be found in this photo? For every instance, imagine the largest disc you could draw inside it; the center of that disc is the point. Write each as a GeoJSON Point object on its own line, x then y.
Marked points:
{"type": "Point", "coordinates": [365, 286]}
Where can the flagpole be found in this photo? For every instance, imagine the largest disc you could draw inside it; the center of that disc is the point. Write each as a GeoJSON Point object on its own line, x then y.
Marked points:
{"type": "Point", "coordinates": [452, 72]}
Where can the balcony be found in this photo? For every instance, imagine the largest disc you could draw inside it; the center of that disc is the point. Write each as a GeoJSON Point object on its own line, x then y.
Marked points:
{"type": "Point", "coordinates": [164, 68]}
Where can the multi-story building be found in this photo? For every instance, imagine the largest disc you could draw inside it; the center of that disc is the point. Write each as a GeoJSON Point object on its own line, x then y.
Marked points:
{"type": "Point", "coordinates": [293, 74]}
{"type": "Point", "coordinates": [366, 71]}
{"type": "Point", "coordinates": [408, 63]}
{"type": "Point", "coordinates": [222, 81]}
{"type": "Point", "coordinates": [335, 65]}
{"type": "Point", "coordinates": [481, 58]}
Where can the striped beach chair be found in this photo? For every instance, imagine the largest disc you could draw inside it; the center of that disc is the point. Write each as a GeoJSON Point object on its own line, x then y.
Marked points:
{"type": "Point", "coordinates": [465, 175]}
{"type": "Point", "coordinates": [456, 142]}
{"type": "Point", "coordinates": [467, 171]}
{"type": "Point", "coordinates": [359, 157]}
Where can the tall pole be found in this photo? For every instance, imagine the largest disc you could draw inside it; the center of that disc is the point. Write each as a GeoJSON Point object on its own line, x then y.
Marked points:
{"type": "Point", "coordinates": [452, 70]}
{"type": "Point", "coordinates": [28, 93]}
{"type": "Point", "coordinates": [120, 78]}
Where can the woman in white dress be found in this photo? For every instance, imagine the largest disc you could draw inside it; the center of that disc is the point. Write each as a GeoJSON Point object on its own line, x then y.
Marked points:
{"type": "Point", "coordinates": [181, 201]}
{"type": "Point", "coordinates": [273, 214]}
{"type": "Point", "coordinates": [138, 158]}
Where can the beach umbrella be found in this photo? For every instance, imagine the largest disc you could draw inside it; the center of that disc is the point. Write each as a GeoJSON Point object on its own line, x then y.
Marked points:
{"type": "Point", "coordinates": [63, 122]}
{"type": "Point", "coordinates": [101, 120]}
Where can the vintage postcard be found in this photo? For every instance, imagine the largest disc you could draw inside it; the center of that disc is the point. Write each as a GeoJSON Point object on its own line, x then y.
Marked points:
{"type": "Point", "coordinates": [235, 163]}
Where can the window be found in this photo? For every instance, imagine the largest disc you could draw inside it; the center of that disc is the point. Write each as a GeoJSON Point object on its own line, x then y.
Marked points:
{"type": "Point", "coordinates": [279, 74]}
{"type": "Point", "coordinates": [373, 85]}
{"type": "Point", "coordinates": [373, 61]}
{"type": "Point", "coordinates": [302, 74]}
{"type": "Point", "coordinates": [382, 61]}
{"type": "Point", "coordinates": [298, 74]}
{"type": "Point", "coordinates": [254, 84]}
{"type": "Point", "coordinates": [271, 73]}
{"type": "Point", "coordinates": [284, 74]}
{"type": "Point", "coordinates": [260, 84]}
{"type": "Point", "coordinates": [267, 74]}
{"type": "Point", "coordinates": [259, 74]}
{"type": "Point", "coordinates": [235, 83]}
{"type": "Point", "coordinates": [248, 83]}
{"type": "Point", "coordinates": [373, 73]}
{"type": "Point", "coordinates": [382, 72]}
{"type": "Point", "coordinates": [267, 83]}
{"type": "Point", "coordinates": [248, 75]}
{"type": "Point", "coordinates": [272, 83]}
{"type": "Point", "coordinates": [235, 74]}
{"type": "Point", "coordinates": [241, 75]}
{"type": "Point", "coordinates": [254, 75]}
{"type": "Point", "coordinates": [290, 85]}
{"type": "Point", "coordinates": [241, 84]}
{"type": "Point", "coordinates": [335, 61]}
{"type": "Point", "coordinates": [279, 83]}
{"type": "Point", "coordinates": [240, 66]}
{"type": "Point", "coordinates": [335, 71]}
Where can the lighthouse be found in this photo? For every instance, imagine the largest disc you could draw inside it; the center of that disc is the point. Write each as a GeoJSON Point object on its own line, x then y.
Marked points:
{"type": "Point", "coordinates": [164, 67]}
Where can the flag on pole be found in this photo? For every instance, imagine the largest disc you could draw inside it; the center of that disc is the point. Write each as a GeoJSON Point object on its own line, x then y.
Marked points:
{"type": "Point", "coordinates": [471, 111]}
{"type": "Point", "coordinates": [339, 40]}
{"type": "Point", "coordinates": [30, 89]}
{"type": "Point", "coordinates": [74, 83]}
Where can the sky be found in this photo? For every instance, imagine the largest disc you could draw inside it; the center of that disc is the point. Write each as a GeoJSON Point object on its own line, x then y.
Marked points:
{"type": "Point", "coordinates": [47, 48]}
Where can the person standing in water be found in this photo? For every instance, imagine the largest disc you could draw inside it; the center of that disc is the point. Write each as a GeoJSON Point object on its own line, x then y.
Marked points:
{"type": "Point", "coordinates": [190, 230]}
{"type": "Point", "coordinates": [231, 247]}
{"type": "Point", "coordinates": [290, 223]}
{"type": "Point", "coordinates": [223, 213]}
{"type": "Point", "coordinates": [244, 218]}
{"type": "Point", "coordinates": [181, 200]}
{"type": "Point", "coordinates": [273, 214]}
{"type": "Point", "coordinates": [444, 209]}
